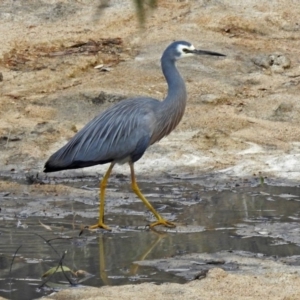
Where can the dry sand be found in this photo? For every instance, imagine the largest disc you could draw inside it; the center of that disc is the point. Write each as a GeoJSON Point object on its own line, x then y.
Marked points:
{"type": "Point", "coordinates": [219, 285]}
{"type": "Point", "coordinates": [243, 111]}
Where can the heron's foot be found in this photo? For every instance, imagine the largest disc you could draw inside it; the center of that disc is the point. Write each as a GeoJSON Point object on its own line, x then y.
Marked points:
{"type": "Point", "coordinates": [163, 222]}
{"type": "Point", "coordinates": [99, 225]}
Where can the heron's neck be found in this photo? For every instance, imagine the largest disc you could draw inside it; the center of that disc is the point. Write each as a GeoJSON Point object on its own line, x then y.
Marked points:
{"type": "Point", "coordinates": [176, 86]}
{"type": "Point", "coordinates": [170, 111]}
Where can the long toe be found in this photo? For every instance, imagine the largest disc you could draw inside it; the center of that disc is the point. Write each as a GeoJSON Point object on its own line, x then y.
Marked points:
{"type": "Point", "coordinates": [163, 222]}
{"type": "Point", "coordinates": [99, 225]}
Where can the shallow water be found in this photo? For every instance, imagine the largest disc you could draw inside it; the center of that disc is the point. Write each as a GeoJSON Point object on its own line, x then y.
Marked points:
{"type": "Point", "coordinates": [261, 219]}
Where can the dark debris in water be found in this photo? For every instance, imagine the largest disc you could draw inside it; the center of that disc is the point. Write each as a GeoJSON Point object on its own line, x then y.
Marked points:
{"type": "Point", "coordinates": [189, 267]}
{"type": "Point", "coordinates": [196, 265]}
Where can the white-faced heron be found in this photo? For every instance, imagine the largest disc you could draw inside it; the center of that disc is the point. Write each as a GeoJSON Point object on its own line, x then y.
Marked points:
{"type": "Point", "coordinates": [122, 133]}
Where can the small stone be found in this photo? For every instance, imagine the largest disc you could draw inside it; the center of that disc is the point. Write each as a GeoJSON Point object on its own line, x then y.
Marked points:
{"type": "Point", "coordinates": [262, 61]}
{"type": "Point", "coordinates": [282, 60]}
{"type": "Point", "coordinates": [263, 232]}
{"type": "Point", "coordinates": [277, 69]}
{"type": "Point", "coordinates": [277, 61]}
{"type": "Point", "coordinates": [284, 108]}
{"type": "Point", "coordinates": [209, 98]}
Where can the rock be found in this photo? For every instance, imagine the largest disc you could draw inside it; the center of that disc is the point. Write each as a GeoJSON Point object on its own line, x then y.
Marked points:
{"type": "Point", "coordinates": [277, 62]}
{"type": "Point", "coordinates": [280, 60]}
{"type": "Point", "coordinates": [263, 61]}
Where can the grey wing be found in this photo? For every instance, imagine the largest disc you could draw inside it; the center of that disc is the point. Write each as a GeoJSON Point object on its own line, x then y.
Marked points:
{"type": "Point", "coordinates": [121, 132]}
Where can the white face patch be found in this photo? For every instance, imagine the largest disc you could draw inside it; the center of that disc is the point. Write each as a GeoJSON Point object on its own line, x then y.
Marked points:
{"type": "Point", "coordinates": [180, 49]}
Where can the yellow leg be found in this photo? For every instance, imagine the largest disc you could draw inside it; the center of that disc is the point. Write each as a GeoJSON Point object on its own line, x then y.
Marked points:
{"type": "Point", "coordinates": [102, 200]}
{"type": "Point", "coordinates": [135, 188]}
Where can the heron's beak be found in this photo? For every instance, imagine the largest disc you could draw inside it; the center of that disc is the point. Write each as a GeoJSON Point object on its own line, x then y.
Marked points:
{"type": "Point", "coordinates": [204, 52]}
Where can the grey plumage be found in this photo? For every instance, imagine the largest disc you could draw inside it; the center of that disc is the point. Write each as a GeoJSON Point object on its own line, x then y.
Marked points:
{"type": "Point", "coordinates": [112, 136]}
{"type": "Point", "coordinates": [124, 132]}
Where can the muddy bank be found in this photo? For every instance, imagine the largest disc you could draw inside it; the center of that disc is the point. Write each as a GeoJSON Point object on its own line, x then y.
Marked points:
{"type": "Point", "coordinates": [247, 229]}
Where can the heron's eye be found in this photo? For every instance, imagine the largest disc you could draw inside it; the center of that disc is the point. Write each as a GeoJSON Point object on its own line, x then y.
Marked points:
{"type": "Point", "coordinates": [185, 50]}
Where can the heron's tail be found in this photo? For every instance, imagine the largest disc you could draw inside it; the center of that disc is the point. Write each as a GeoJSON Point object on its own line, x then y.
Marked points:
{"type": "Point", "coordinates": [53, 168]}
{"type": "Point", "coordinates": [56, 163]}
{"type": "Point", "coordinates": [60, 161]}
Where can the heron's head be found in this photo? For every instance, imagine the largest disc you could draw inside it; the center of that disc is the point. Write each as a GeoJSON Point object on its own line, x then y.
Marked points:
{"type": "Point", "coordinates": [181, 49]}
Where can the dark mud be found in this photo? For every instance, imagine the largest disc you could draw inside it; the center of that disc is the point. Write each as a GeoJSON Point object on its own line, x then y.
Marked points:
{"type": "Point", "coordinates": [239, 216]}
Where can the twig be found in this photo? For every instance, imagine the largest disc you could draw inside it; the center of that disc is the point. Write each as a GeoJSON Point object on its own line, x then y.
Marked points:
{"type": "Point", "coordinates": [11, 264]}
{"type": "Point", "coordinates": [48, 243]}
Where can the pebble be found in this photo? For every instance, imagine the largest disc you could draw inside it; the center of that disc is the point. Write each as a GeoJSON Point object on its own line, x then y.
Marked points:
{"type": "Point", "coordinates": [278, 62]}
